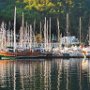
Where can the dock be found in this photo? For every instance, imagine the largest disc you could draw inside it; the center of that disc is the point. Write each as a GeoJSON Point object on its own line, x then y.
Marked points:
{"type": "Point", "coordinates": [42, 57]}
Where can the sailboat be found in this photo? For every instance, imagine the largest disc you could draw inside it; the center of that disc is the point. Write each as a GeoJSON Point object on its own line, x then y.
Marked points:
{"type": "Point", "coordinates": [8, 51]}
{"type": "Point", "coordinates": [86, 49]}
{"type": "Point", "coordinates": [26, 36]}
{"type": "Point", "coordinates": [70, 42]}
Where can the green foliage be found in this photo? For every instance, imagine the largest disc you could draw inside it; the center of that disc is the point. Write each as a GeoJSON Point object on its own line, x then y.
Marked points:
{"type": "Point", "coordinates": [43, 6]}
{"type": "Point", "coordinates": [38, 9]}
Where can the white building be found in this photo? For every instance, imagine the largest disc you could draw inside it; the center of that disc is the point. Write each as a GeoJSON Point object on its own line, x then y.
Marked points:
{"type": "Point", "coordinates": [69, 40]}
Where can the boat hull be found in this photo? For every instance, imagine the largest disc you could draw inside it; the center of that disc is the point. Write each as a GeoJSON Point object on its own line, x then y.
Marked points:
{"type": "Point", "coordinates": [35, 55]}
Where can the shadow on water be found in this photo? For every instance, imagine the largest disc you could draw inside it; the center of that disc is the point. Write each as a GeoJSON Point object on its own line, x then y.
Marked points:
{"type": "Point", "coordinates": [55, 74]}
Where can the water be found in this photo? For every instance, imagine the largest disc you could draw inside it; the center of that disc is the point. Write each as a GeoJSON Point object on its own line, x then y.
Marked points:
{"type": "Point", "coordinates": [59, 74]}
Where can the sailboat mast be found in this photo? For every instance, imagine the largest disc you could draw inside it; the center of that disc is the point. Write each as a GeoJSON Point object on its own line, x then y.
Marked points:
{"type": "Point", "coordinates": [34, 34]}
{"type": "Point", "coordinates": [50, 29]}
{"type": "Point", "coordinates": [40, 29]}
{"type": "Point", "coordinates": [67, 24]}
{"type": "Point", "coordinates": [47, 33]}
{"type": "Point", "coordinates": [45, 39]}
{"type": "Point", "coordinates": [89, 35]}
{"type": "Point", "coordinates": [58, 33]}
{"type": "Point", "coordinates": [15, 29]}
{"type": "Point", "coordinates": [30, 37]}
{"type": "Point", "coordinates": [50, 33]}
{"type": "Point", "coordinates": [22, 31]}
{"type": "Point", "coordinates": [80, 24]}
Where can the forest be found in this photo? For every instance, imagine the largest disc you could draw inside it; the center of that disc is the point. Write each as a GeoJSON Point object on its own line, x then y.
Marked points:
{"type": "Point", "coordinates": [36, 10]}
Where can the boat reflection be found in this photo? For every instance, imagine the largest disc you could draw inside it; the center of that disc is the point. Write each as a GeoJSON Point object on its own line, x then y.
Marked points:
{"type": "Point", "coordinates": [54, 74]}
{"type": "Point", "coordinates": [84, 65]}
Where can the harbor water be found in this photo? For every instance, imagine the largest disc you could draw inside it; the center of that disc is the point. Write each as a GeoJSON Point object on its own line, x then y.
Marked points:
{"type": "Point", "coordinates": [41, 74]}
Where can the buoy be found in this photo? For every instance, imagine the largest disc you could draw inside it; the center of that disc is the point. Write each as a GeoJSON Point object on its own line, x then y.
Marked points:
{"type": "Point", "coordinates": [84, 53]}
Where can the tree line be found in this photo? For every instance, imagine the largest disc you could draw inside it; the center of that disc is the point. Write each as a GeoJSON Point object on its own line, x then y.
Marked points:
{"type": "Point", "coordinates": [36, 10]}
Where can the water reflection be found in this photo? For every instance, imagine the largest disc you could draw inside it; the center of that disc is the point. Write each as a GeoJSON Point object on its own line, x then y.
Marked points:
{"type": "Point", "coordinates": [71, 74]}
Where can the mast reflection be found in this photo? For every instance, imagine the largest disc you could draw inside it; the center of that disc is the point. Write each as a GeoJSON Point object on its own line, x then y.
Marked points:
{"type": "Point", "coordinates": [57, 74]}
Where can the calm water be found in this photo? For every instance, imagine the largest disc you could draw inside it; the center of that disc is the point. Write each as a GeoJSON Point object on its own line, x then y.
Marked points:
{"type": "Point", "coordinates": [71, 74]}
